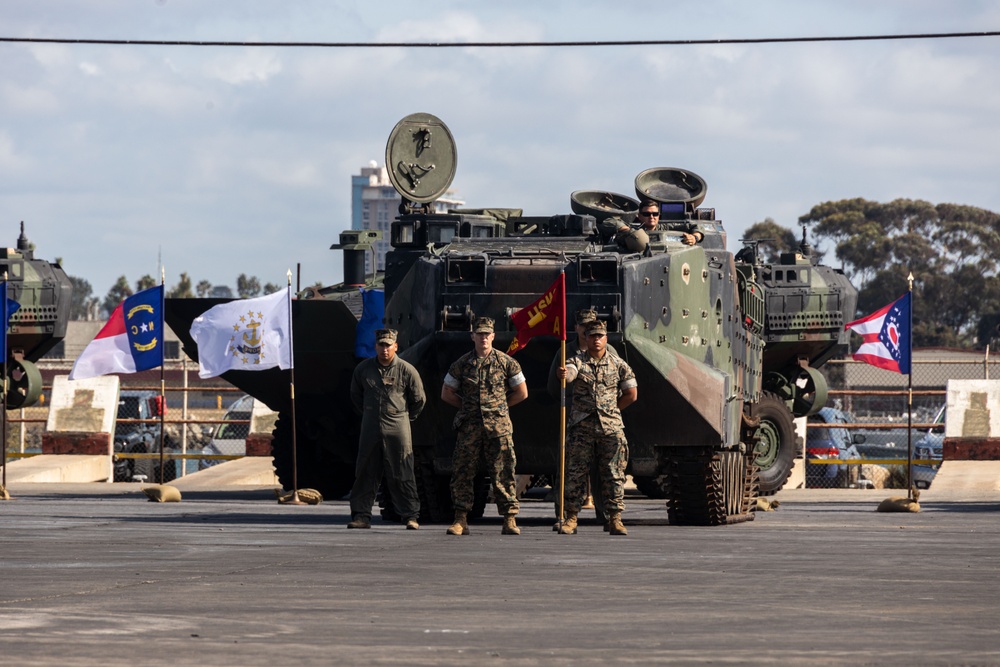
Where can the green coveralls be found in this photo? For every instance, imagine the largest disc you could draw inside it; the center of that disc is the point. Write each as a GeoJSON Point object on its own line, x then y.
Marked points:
{"type": "Point", "coordinates": [389, 398]}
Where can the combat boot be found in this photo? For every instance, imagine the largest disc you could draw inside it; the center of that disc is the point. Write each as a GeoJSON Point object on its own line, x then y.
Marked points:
{"type": "Point", "coordinates": [411, 523]}
{"type": "Point", "coordinates": [510, 525]}
{"type": "Point", "coordinates": [569, 525]}
{"type": "Point", "coordinates": [360, 522]}
{"type": "Point", "coordinates": [615, 526]}
{"type": "Point", "coordinates": [461, 524]}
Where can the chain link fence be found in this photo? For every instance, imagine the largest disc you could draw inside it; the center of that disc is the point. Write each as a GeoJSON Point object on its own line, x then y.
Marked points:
{"type": "Point", "coordinates": [862, 438]}
{"type": "Point", "coordinates": [859, 440]}
{"type": "Point", "coordinates": [195, 418]}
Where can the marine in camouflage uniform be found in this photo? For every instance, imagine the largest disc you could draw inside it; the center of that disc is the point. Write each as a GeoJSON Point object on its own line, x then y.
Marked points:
{"type": "Point", "coordinates": [483, 384]}
{"type": "Point", "coordinates": [650, 220]}
{"type": "Point", "coordinates": [595, 427]}
{"type": "Point", "coordinates": [616, 230]}
{"type": "Point", "coordinates": [583, 316]}
{"type": "Point", "coordinates": [389, 394]}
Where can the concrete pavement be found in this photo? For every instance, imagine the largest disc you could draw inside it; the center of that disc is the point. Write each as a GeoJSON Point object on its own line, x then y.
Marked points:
{"type": "Point", "coordinates": [93, 574]}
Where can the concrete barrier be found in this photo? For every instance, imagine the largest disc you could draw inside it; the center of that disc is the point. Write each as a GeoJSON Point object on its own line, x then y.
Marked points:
{"type": "Point", "coordinates": [248, 471]}
{"type": "Point", "coordinates": [71, 468]}
{"type": "Point", "coordinates": [965, 480]}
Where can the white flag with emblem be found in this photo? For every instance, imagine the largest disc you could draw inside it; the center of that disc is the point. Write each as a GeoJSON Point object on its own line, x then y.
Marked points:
{"type": "Point", "coordinates": [245, 335]}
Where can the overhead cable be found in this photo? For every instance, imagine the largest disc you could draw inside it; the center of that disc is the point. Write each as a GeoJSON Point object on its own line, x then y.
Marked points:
{"type": "Point", "coordinates": [493, 45]}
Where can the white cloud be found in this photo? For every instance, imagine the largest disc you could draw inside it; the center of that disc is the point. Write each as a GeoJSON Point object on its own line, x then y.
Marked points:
{"type": "Point", "coordinates": [215, 148]}
{"type": "Point", "coordinates": [10, 161]}
{"type": "Point", "coordinates": [249, 66]}
{"type": "Point", "coordinates": [51, 55]}
{"type": "Point", "coordinates": [28, 100]}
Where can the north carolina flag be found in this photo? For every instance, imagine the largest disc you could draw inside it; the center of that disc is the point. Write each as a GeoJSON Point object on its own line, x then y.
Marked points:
{"type": "Point", "coordinates": [546, 316]}
{"type": "Point", "coordinates": [245, 335]}
{"type": "Point", "coordinates": [130, 341]}
{"type": "Point", "coordinates": [10, 307]}
{"type": "Point", "coordinates": [886, 336]}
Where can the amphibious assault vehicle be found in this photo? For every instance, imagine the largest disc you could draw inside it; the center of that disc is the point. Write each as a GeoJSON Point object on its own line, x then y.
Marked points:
{"type": "Point", "coordinates": [724, 347]}
{"type": "Point", "coordinates": [44, 294]}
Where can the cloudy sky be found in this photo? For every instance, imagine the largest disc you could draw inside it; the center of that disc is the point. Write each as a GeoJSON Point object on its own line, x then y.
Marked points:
{"type": "Point", "coordinates": [219, 161]}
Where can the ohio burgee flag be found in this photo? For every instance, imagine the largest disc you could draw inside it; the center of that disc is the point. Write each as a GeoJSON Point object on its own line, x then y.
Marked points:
{"type": "Point", "coordinates": [130, 341]}
{"type": "Point", "coordinates": [245, 335]}
{"type": "Point", "coordinates": [886, 336]}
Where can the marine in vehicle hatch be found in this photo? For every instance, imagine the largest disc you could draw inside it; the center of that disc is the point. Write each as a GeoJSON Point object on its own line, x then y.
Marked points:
{"type": "Point", "coordinates": [603, 386]}
{"type": "Point", "coordinates": [649, 221]}
{"type": "Point", "coordinates": [389, 394]}
{"type": "Point", "coordinates": [484, 384]}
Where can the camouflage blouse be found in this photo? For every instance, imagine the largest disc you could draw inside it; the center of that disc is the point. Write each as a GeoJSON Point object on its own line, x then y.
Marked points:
{"type": "Point", "coordinates": [596, 388]}
{"type": "Point", "coordinates": [482, 384]}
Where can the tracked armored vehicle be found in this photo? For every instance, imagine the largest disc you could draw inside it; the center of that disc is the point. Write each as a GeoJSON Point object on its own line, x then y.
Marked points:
{"type": "Point", "coordinates": [44, 293]}
{"type": "Point", "coordinates": [724, 351]}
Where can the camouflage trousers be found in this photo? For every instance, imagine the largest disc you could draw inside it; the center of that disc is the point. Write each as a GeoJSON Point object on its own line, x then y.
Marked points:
{"type": "Point", "coordinates": [585, 443]}
{"type": "Point", "coordinates": [474, 447]}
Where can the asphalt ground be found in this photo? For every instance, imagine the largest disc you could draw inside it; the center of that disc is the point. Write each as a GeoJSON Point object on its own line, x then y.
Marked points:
{"type": "Point", "coordinates": [97, 575]}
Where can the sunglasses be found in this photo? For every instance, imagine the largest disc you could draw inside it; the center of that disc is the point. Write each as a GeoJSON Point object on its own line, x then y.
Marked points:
{"type": "Point", "coordinates": [654, 214]}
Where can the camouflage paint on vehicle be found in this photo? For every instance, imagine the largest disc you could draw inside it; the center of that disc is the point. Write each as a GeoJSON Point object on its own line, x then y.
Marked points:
{"type": "Point", "coordinates": [44, 293]}
{"type": "Point", "coordinates": [724, 347]}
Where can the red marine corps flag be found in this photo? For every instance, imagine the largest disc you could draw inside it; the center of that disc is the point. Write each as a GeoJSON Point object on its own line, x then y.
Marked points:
{"type": "Point", "coordinates": [546, 316]}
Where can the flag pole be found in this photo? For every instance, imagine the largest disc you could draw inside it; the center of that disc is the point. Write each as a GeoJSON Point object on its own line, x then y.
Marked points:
{"type": "Point", "coordinates": [562, 434]}
{"type": "Point", "coordinates": [562, 408]}
{"type": "Point", "coordinates": [294, 500]}
{"type": "Point", "coordinates": [3, 418]}
{"type": "Point", "coordinates": [163, 398]}
{"type": "Point", "coordinates": [909, 399]}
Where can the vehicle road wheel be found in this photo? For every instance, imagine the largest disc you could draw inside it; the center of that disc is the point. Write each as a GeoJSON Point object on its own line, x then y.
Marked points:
{"type": "Point", "coordinates": [776, 443]}
{"type": "Point", "coordinates": [328, 471]}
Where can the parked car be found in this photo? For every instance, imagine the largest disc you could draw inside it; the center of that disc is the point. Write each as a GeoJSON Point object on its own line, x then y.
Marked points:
{"type": "Point", "coordinates": [139, 439]}
{"type": "Point", "coordinates": [231, 439]}
{"type": "Point", "coordinates": [830, 443]}
{"type": "Point", "coordinates": [883, 444]}
{"type": "Point", "coordinates": [930, 446]}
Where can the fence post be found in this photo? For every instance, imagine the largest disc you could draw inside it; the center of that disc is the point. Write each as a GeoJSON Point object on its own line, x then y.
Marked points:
{"type": "Point", "coordinates": [184, 415]}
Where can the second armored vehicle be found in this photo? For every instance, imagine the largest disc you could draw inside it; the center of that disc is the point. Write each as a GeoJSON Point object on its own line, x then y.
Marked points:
{"type": "Point", "coordinates": [44, 292]}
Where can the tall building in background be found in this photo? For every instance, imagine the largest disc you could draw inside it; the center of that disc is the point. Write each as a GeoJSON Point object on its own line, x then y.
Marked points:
{"type": "Point", "coordinates": [375, 204]}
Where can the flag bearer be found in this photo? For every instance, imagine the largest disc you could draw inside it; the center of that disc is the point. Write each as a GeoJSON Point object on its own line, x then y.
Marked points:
{"type": "Point", "coordinates": [603, 386]}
